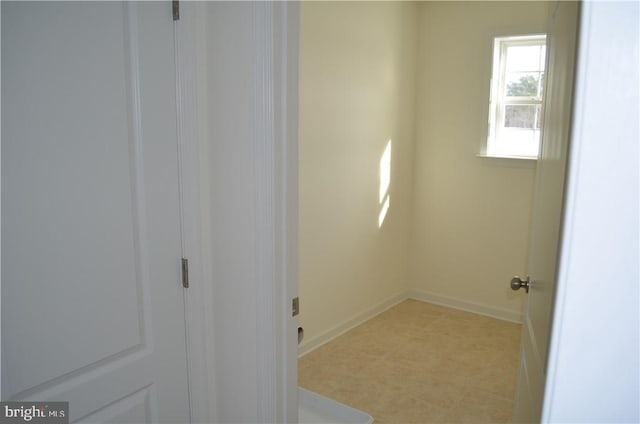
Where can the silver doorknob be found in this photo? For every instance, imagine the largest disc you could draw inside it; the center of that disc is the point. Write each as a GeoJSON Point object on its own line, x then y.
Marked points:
{"type": "Point", "coordinates": [517, 283]}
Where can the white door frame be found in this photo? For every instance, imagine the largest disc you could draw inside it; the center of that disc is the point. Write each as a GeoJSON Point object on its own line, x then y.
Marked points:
{"type": "Point", "coordinates": [197, 310]}
{"type": "Point", "coordinates": [281, 47]}
{"type": "Point", "coordinates": [276, 200]}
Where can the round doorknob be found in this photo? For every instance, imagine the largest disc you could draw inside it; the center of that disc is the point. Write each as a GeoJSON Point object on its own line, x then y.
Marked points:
{"type": "Point", "coordinates": [517, 283]}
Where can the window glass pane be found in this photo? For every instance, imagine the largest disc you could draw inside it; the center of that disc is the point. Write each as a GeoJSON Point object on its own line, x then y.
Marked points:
{"type": "Point", "coordinates": [525, 58]}
{"type": "Point", "coordinates": [521, 116]}
{"type": "Point", "coordinates": [528, 84]}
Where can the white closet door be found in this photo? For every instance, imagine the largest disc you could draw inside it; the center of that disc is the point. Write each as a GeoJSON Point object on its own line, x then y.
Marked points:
{"type": "Point", "coordinates": [92, 301]}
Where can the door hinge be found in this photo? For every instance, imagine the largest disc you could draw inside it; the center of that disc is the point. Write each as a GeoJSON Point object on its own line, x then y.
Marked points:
{"type": "Point", "coordinates": [295, 307]}
{"type": "Point", "coordinates": [175, 7]}
{"type": "Point", "coordinates": [185, 273]}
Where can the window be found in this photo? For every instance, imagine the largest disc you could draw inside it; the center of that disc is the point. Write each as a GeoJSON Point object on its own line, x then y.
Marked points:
{"type": "Point", "coordinates": [517, 84]}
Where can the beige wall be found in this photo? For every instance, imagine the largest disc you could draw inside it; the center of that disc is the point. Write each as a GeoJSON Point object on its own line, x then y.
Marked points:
{"type": "Point", "coordinates": [471, 215]}
{"type": "Point", "coordinates": [357, 74]}
{"type": "Point", "coordinates": [458, 226]}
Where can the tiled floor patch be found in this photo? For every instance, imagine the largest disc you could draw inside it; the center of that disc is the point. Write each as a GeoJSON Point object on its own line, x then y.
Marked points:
{"type": "Point", "coordinates": [421, 363]}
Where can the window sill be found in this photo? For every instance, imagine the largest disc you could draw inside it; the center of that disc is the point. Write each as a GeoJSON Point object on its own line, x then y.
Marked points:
{"type": "Point", "coordinates": [510, 161]}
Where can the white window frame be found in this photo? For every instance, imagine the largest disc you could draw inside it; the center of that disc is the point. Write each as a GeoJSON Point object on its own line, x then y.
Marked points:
{"type": "Point", "coordinates": [498, 100]}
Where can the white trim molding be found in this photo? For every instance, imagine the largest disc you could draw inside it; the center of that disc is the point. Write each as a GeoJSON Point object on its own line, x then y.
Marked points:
{"type": "Point", "coordinates": [264, 175]}
{"type": "Point", "coordinates": [314, 343]}
{"type": "Point", "coordinates": [286, 17]}
{"type": "Point", "coordinates": [464, 305]}
{"type": "Point", "coordinates": [311, 344]}
{"type": "Point", "coordinates": [197, 311]}
{"type": "Point", "coordinates": [275, 152]}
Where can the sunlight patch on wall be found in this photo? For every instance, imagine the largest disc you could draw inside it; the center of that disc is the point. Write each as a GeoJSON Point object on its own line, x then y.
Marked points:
{"type": "Point", "coordinates": [383, 212]}
{"type": "Point", "coordinates": [385, 180]}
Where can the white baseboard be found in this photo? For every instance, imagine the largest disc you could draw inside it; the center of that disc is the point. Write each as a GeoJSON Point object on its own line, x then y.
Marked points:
{"type": "Point", "coordinates": [476, 308]}
{"type": "Point", "coordinates": [314, 343]}
{"type": "Point", "coordinates": [308, 346]}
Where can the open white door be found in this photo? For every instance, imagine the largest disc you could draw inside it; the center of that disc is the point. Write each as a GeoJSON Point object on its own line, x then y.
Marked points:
{"type": "Point", "coordinates": [593, 371]}
{"type": "Point", "coordinates": [92, 301]}
{"type": "Point", "coordinates": [547, 213]}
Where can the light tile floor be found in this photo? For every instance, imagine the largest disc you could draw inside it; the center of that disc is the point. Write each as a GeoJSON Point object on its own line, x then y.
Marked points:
{"type": "Point", "coordinates": [421, 363]}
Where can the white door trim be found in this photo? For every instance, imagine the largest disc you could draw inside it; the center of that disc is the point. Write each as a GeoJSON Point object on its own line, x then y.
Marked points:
{"type": "Point", "coordinates": [265, 179]}
{"type": "Point", "coordinates": [275, 152]}
{"type": "Point", "coordinates": [286, 17]}
{"type": "Point", "coordinates": [197, 298]}
{"type": "Point", "coordinates": [276, 202]}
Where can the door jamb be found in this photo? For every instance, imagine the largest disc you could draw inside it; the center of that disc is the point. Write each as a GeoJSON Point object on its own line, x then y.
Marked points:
{"type": "Point", "coordinates": [198, 297]}
{"type": "Point", "coordinates": [276, 198]}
